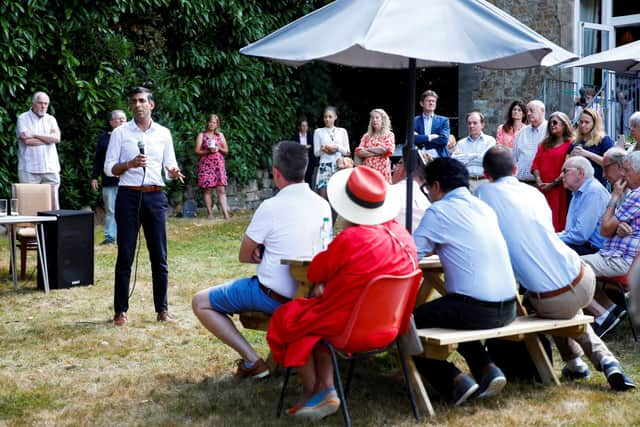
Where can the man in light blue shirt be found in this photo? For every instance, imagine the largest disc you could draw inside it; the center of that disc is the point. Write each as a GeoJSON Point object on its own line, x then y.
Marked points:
{"type": "Point", "coordinates": [589, 201]}
{"type": "Point", "coordinates": [480, 284]}
{"type": "Point", "coordinates": [558, 284]}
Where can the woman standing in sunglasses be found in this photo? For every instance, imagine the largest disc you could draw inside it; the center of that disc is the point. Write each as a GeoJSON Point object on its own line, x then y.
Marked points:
{"type": "Point", "coordinates": [547, 166]}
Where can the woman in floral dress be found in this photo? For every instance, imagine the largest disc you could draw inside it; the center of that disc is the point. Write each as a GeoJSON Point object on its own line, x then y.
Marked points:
{"type": "Point", "coordinates": [377, 145]}
{"type": "Point", "coordinates": [211, 146]}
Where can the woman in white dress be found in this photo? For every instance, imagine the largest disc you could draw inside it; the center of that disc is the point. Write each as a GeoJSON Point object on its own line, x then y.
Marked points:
{"type": "Point", "coordinates": [329, 144]}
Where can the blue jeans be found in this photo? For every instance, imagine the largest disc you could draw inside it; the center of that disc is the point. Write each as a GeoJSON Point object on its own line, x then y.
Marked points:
{"type": "Point", "coordinates": [109, 199]}
{"type": "Point", "coordinates": [241, 295]}
{"type": "Point", "coordinates": [153, 218]}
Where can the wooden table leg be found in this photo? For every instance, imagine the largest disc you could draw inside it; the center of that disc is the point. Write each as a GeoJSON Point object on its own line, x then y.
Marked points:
{"type": "Point", "coordinates": [540, 359]}
{"type": "Point", "coordinates": [419, 391]}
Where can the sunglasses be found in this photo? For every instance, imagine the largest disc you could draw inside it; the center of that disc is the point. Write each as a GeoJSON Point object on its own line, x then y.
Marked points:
{"type": "Point", "coordinates": [554, 122]}
{"type": "Point", "coordinates": [565, 170]}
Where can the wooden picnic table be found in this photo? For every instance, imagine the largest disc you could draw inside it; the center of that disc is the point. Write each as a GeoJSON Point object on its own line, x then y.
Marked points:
{"type": "Point", "coordinates": [439, 343]}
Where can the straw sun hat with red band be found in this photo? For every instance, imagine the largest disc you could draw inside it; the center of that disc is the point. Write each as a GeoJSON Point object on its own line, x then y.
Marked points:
{"type": "Point", "coordinates": [361, 196]}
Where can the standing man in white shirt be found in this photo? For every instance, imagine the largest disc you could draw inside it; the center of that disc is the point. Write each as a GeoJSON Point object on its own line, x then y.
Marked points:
{"type": "Point", "coordinates": [527, 141]}
{"type": "Point", "coordinates": [138, 152]}
{"type": "Point", "coordinates": [38, 133]}
{"type": "Point", "coordinates": [470, 150]}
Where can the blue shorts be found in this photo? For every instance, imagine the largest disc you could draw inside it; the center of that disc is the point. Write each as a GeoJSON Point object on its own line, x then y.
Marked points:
{"type": "Point", "coordinates": [241, 295]}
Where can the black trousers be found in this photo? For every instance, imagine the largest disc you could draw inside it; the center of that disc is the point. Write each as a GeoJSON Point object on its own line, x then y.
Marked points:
{"type": "Point", "coordinates": [452, 312]}
{"type": "Point", "coordinates": [153, 218]}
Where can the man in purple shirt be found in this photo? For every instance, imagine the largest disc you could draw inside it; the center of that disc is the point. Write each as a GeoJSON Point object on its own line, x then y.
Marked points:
{"type": "Point", "coordinates": [621, 228]}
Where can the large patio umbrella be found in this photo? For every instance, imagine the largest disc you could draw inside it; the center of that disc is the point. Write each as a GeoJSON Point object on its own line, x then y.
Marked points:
{"type": "Point", "coordinates": [625, 58]}
{"type": "Point", "coordinates": [407, 34]}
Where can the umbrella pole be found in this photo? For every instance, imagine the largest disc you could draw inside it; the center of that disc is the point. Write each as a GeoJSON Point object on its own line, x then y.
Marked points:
{"type": "Point", "coordinates": [410, 149]}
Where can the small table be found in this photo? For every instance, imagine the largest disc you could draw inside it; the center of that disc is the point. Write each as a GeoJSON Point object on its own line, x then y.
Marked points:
{"type": "Point", "coordinates": [11, 221]}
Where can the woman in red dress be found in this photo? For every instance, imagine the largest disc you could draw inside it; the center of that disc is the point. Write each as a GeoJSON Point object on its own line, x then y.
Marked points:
{"type": "Point", "coordinates": [211, 146]}
{"type": "Point", "coordinates": [372, 244]}
{"type": "Point", "coordinates": [377, 145]}
{"type": "Point", "coordinates": [547, 166]}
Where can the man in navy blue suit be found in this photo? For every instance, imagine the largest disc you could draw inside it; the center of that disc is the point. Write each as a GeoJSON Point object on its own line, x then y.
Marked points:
{"type": "Point", "coordinates": [431, 130]}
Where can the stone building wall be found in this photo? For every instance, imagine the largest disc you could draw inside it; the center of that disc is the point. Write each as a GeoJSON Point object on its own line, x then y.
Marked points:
{"type": "Point", "coordinates": [490, 91]}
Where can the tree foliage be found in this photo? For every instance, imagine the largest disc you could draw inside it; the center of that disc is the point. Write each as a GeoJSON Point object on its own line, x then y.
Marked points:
{"type": "Point", "coordinates": [85, 54]}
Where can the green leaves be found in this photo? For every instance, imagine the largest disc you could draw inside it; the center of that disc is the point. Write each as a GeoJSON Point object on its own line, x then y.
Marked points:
{"type": "Point", "coordinates": [86, 54]}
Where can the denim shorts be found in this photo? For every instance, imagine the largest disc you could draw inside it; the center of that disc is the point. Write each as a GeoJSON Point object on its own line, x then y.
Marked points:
{"type": "Point", "coordinates": [241, 295]}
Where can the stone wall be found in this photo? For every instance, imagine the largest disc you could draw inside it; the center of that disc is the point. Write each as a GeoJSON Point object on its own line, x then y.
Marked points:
{"type": "Point", "coordinates": [491, 92]}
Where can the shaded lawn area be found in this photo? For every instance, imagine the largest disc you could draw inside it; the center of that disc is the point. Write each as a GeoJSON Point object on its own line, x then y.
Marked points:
{"type": "Point", "coordinates": [63, 363]}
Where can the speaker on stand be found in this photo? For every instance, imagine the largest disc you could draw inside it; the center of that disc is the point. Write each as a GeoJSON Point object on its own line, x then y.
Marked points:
{"type": "Point", "coordinates": [69, 245]}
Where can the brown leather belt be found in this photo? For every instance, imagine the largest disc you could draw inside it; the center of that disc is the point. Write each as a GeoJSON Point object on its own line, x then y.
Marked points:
{"type": "Point", "coordinates": [274, 295]}
{"type": "Point", "coordinates": [478, 178]}
{"type": "Point", "coordinates": [144, 189]}
{"type": "Point", "coordinates": [560, 291]}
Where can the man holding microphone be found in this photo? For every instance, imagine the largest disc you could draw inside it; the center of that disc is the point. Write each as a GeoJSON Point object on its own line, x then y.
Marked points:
{"type": "Point", "coordinates": [138, 152]}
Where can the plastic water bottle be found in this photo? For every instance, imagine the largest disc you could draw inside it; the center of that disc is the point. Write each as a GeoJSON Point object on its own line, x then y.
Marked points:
{"type": "Point", "coordinates": [326, 233]}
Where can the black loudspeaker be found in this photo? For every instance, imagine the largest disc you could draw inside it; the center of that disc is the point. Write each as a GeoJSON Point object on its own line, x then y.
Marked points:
{"type": "Point", "coordinates": [69, 245]}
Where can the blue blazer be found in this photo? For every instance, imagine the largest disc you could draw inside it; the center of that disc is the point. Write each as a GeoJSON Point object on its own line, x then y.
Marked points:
{"type": "Point", "coordinates": [440, 126]}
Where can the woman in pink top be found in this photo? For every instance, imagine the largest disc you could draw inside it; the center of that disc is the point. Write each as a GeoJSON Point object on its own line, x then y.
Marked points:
{"type": "Point", "coordinates": [377, 145]}
{"type": "Point", "coordinates": [514, 121]}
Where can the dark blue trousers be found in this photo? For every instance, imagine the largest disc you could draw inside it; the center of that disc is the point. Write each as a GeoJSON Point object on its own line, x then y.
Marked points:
{"type": "Point", "coordinates": [451, 312]}
{"type": "Point", "coordinates": [153, 218]}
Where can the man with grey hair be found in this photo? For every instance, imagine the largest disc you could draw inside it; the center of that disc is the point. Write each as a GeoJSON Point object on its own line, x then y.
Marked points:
{"type": "Point", "coordinates": [284, 226]}
{"type": "Point", "coordinates": [621, 228]}
{"type": "Point", "coordinates": [109, 183]}
{"type": "Point", "coordinates": [38, 133]}
{"type": "Point", "coordinates": [582, 231]}
{"type": "Point", "coordinates": [526, 143]}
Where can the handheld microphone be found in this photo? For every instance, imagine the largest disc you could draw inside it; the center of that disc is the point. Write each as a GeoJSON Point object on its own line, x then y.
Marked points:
{"type": "Point", "coordinates": [141, 148]}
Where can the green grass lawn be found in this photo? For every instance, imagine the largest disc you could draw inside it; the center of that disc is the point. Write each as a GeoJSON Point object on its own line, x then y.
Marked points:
{"type": "Point", "coordinates": [63, 363]}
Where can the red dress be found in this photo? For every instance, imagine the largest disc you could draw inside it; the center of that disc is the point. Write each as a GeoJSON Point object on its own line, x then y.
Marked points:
{"type": "Point", "coordinates": [381, 164]}
{"type": "Point", "coordinates": [355, 256]}
{"type": "Point", "coordinates": [549, 162]}
{"type": "Point", "coordinates": [211, 168]}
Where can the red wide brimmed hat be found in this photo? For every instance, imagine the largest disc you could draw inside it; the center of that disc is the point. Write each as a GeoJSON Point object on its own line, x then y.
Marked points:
{"type": "Point", "coordinates": [360, 195]}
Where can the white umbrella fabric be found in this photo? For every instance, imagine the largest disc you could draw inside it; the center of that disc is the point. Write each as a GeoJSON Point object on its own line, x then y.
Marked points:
{"type": "Point", "coordinates": [400, 34]}
{"type": "Point", "coordinates": [625, 58]}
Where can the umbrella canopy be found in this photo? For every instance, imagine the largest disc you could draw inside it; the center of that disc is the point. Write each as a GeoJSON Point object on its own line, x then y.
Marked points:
{"type": "Point", "coordinates": [408, 34]}
{"type": "Point", "coordinates": [384, 33]}
{"type": "Point", "coordinates": [622, 59]}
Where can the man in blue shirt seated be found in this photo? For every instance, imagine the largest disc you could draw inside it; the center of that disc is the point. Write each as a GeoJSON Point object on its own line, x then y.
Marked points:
{"type": "Point", "coordinates": [559, 285]}
{"type": "Point", "coordinates": [590, 198]}
{"type": "Point", "coordinates": [481, 288]}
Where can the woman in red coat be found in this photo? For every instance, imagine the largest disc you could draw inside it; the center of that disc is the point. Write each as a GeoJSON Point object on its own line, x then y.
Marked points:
{"type": "Point", "coordinates": [547, 166]}
{"type": "Point", "coordinates": [372, 244]}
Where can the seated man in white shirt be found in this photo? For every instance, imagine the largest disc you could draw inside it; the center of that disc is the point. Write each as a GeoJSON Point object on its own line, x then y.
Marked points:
{"type": "Point", "coordinates": [471, 149]}
{"type": "Point", "coordinates": [283, 226]}
{"type": "Point", "coordinates": [420, 200]}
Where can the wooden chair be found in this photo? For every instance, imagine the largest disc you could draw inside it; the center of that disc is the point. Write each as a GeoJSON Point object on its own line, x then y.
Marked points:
{"type": "Point", "coordinates": [32, 198]}
{"type": "Point", "coordinates": [382, 313]}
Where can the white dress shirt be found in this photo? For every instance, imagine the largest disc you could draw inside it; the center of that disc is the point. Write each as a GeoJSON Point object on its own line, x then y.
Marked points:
{"type": "Point", "coordinates": [158, 147]}
{"type": "Point", "coordinates": [37, 158]}
{"type": "Point", "coordinates": [525, 147]}
{"type": "Point", "coordinates": [471, 151]}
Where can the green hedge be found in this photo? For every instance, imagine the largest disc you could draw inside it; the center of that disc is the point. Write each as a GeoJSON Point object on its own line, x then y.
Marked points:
{"type": "Point", "coordinates": [85, 54]}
